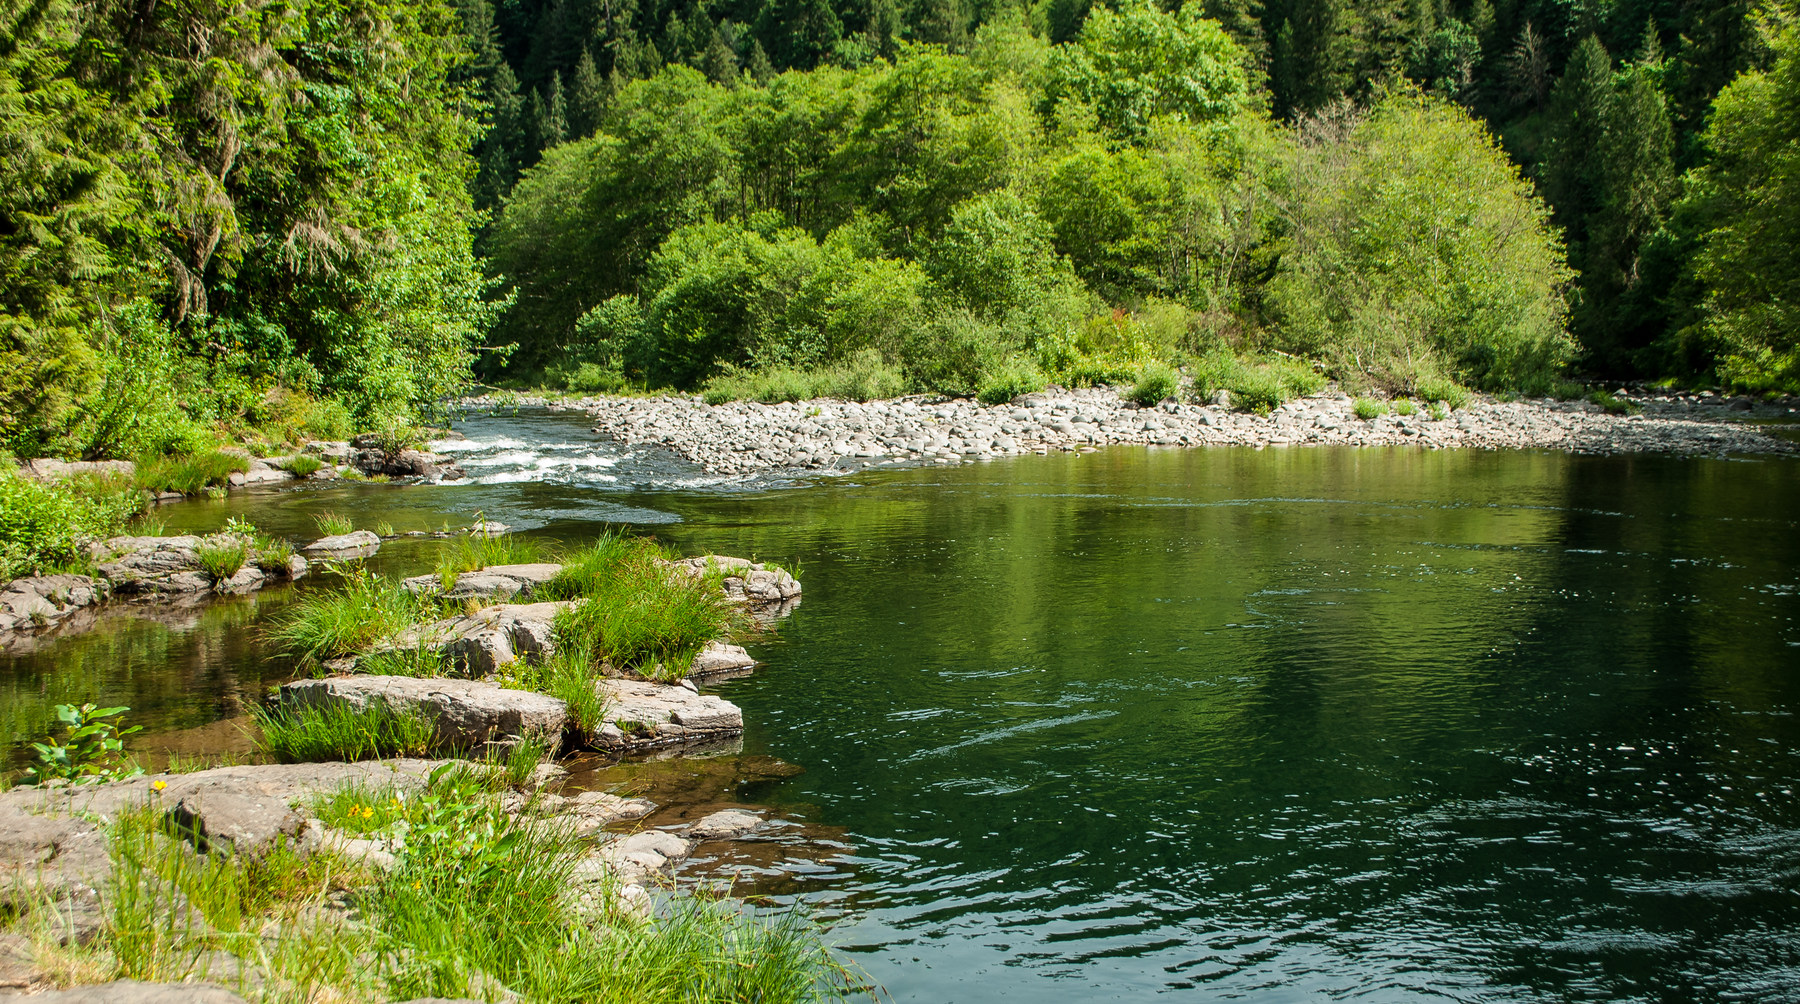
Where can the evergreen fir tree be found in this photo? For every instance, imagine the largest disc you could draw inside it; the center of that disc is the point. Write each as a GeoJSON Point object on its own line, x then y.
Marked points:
{"type": "Point", "coordinates": [720, 64]}
{"type": "Point", "coordinates": [553, 125]}
{"type": "Point", "coordinates": [499, 149]}
{"type": "Point", "coordinates": [587, 97]}
{"type": "Point", "coordinates": [759, 66]}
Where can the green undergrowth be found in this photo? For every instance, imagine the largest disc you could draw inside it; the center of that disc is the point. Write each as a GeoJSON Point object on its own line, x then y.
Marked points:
{"type": "Point", "coordinates": [482, 904]}
{"type": "Point", "coordinates": [302, 465]}
{"type": "Point", "coordinates": [333, 524]}
{"type": "Point", "coordinates": [220, 557]}
{"type": "Point", "coordinates": [338, 731]}
{"type": "Point", "coordinates": [476, 550]}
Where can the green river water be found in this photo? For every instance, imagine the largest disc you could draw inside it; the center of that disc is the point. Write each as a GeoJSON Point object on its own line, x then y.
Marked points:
{"type": "Point", "coordinates": [1284, 725]}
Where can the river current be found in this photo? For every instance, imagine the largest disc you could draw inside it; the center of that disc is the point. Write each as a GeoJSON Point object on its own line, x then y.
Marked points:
{"type": "Point", "coordinates": [1287, 725]}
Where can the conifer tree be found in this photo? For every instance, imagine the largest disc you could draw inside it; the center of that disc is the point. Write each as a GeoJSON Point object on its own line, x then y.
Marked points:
{"type": "Point", "coordinates": [553, 121]}
{"type": "Point", "coordinates": [759, 66]}
{"type": "Point", "coordinates": [587, 97]}
{"type": "Point", "coordinates": [720, 64]}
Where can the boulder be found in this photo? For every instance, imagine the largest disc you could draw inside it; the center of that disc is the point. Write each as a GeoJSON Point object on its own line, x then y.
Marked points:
{"type": "Point", "coordinates": [235, 814]}
{"type": "Point", "coordinates": [46, 600]}
{"type": "Point", "coordinates": [593, 811]}
{"type": "Point", "coordinates": [642, 854]}
{"type": "Point", "coordinates": [405, 464]}
{"type": "Point", "coordinates": [467, 713]}
{"type": "Point", "coordinates": [355, 544]}
{"type": "Point", "coordinates": [643, 715]}
{"type": "Point", "coordinates": [481, 642]}
{"type": "Point", "coordinates": [718, 659]}
{"type": "Point", "coordinates": [496, 582]}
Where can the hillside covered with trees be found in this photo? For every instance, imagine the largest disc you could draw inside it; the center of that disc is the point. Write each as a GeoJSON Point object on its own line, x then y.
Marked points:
{"type": "Point", "coordinates": [261, 220]}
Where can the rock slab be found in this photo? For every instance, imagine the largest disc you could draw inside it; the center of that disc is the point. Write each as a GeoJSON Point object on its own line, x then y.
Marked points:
{"type": "Point", "coordinates": [467, 713]}
{"type": "Point", "coordinates": [644, 715]}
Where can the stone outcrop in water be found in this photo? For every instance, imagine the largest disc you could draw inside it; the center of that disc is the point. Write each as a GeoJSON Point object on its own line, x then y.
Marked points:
{"type": "Point", "coordinates": [47, 600]}
{"type": "Point", "coordinates": [488, 639]}
{"type": "Point", "coordinates": [355, 544]}
{"type": "Point", "coordinates": [641, 715]}
{"type": "Point", "coordinates": [496, 582]}
{"type": "Point", "coordinates": [467, 714]}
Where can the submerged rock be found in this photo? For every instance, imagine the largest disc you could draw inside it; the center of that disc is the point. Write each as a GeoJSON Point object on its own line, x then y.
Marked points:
{"type": "Point", "coordinates": [726, 824]}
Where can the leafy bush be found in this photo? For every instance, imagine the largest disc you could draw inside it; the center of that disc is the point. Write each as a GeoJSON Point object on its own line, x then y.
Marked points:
{"type": "Point", "coordinates": [1253, 384]}
{"type": "Point", "coordinates": [43, 524]}
{"type": "Point", "coordinates": [1006, 381]}
{"type": "Point", "coordinates": [93, 749]}
{"type": "Point", "coordinates": [1612, 404]}
{"type": "Point", "coordinates": [396, 437]}
{"type": "Point", "coordinates": [865, 376]}
{"type": "Point", "coordinates": [338, 731]}
{"type": "Point", "coordinates": [189, 474]}
{"type": "Point", "coordinates": [1158, 382]}
{"type": "Point", "coordinates": [1367, 409]}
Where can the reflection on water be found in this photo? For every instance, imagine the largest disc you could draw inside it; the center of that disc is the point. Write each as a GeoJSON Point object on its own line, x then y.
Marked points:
{"type": "Point", "coordinates": [1283, 724]}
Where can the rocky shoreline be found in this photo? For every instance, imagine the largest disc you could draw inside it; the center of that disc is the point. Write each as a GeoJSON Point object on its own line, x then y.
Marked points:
{"type": "Point", "coordinates": [741, 437]}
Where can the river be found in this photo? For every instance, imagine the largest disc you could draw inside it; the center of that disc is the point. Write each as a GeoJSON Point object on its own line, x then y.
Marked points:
{"type": "Point", "coordinates": [1286, 724]}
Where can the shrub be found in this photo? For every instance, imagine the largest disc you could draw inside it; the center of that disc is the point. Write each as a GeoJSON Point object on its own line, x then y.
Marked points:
{"type": "Point", "coordinates": [1438, 412]}
{"type": "Point", "coordinates": [302, 465]}
{"type": "Point", "coordinates": [397, 437]}
{"type": "Point", "coordinates": [1436, 389]}
{"type": "Point", "coordinates": [221, 557]}
{"type": "Point", "coordinates": [1254, 384]}
{"type": "Point", "coordinates": [1367, 409]}
{"type": "Point", "coordinates": [1403, 407]}
{"type": "Point", "coordinates": [339, 731]}
{"type": "Point", "coordinates": [332, 524]}
{"type": "Point", "coordinates": [190, 474]}
{"type": "Point", "coordinates": [43, 525]}
{"type": "Point", "coordinates": [1008, 380]}
{"type": "Point", "coordinates": [865, 376]}
{"type": "Point", "coordinates": [1158, 382]}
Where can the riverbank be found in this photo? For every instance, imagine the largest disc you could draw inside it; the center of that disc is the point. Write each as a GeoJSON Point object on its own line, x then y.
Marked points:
{"type": "Point", "coordinates": [747, 437]}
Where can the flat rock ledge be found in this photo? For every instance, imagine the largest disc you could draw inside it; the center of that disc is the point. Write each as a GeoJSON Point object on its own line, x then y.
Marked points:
{"type": "Point", "coordinates": [144, 567]}
{"type": "Point", "coordinates": [746, 437]}
{"type": "Point", "coordinates": [640, 715]}
{"type": "Point", "coordinates": [355, 544]}
{"type": "Point", "coordinates": [496, 582]}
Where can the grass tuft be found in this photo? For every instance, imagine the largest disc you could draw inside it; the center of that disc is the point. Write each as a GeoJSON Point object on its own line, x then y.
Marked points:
{"type": "Point", "coordinates": [190, 474]}
{"type": "Point", "coordinates": [1157, 383]}
{"type": "Point", "coordinates": [1367, 408]}
{"type": "Point", "coordinates": [221, 557]}
{"type": "Point", "coordinates": [303, 465]}
{"type": "Point", "coordinates": [638, 617]}
{"type": "Point", "coordinates": [338, 731]}
{"type": "Point", "coordinates": [368, 609]}
{"type": "Point", "coordinates": [332, 524]}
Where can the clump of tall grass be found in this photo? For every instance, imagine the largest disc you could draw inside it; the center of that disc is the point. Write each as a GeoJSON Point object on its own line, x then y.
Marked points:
{"type": "Point", "coordinates": [273, 555]}
{"type": "Point", "coordinates": [191, 473]}
{"type": "Point", "coordinates": [425, 663]}
{"type": "Point", "coordinates": [341, 731]}
{"type": "Point", "coordinates": [221, 557]}
{"type": "Point", "coordinates": [638, 616]}
{"type": "Point", "coordinates": [587, 571]}
{"type": "Point", "coordinates": [1446, 392]}
{"type": "Point", "coordinates": [1368, 409]}
{"type": "Point", "coordinates": [327, 625]}
{"type": "Point", "coordinates": [471, 552]}
{"type": "Point", "coordinates": [332, 524]}
{"type": "Point", "coordinates": [302, 465]}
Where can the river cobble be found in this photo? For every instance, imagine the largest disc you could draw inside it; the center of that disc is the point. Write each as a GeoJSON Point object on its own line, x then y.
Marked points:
{"type": "Point", "coordinates": [745, 437]}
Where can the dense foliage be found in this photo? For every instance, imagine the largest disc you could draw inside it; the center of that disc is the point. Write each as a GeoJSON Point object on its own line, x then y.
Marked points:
{"type": "Point", "coordinates": [987, 222]}
{"type": "Point", "coordinates": [218, 212]}
{"type": "Point", "coordinates": [269, 221]}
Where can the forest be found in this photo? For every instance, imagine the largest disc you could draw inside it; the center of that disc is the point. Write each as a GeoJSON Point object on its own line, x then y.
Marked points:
{"type": "Point", "coordinates": [261, 220]}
